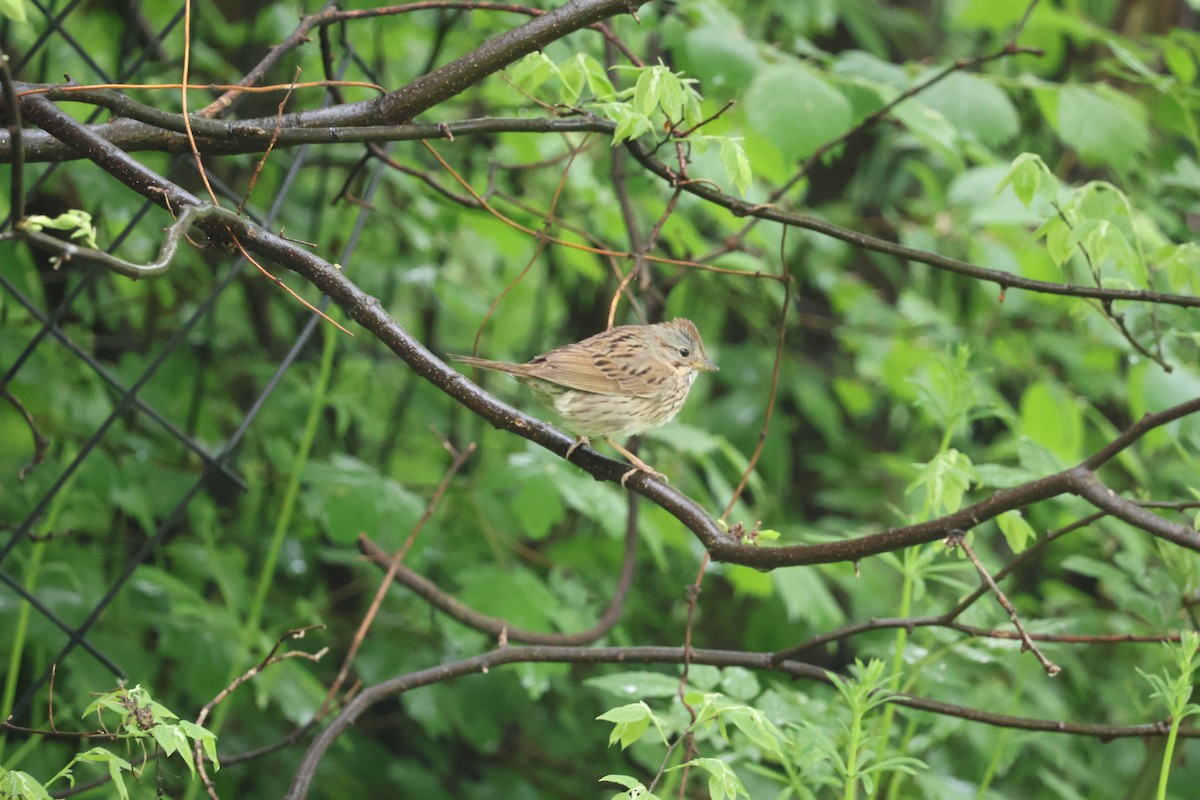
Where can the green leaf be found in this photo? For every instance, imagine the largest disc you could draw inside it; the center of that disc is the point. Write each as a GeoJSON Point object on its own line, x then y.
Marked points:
{"type": "Point", "coordinates": [629, 732]}
{"type": "Point", "coordinates": [1182, 263]}
{"type": "Point", "coordinates": [930, 128]}
{"type": "Point", "coordinates": [207, 739]}
{"type": "Point", "coordinates": [1029, 177]}
{"type": "Point", "coordinates": [673, 98]}
{"type": "Point", "coordinates": [573, 75]}
{"type": "Point", "coordinates": [14, 10]}
{"type": "Point", "coordinates": [515, 594]}
{"type": "Point", "coordinates": [630, 723]}
{"type": "Point", "coordinates": [537, 505]}
{"type": "Point", "coordinates": [739, 683]}
{"type": "Point", "coordinates": [737, 165]}
{"type": "Point", "coordinates": [116, 766]}
{"type": "Point", "coordinates": [945, 389]}
{"type": "Point", "coordinates": [758, 729]}
{"type": "Point", "coordinates": [1101, 240]}
{"type": "Point", "coordinates": [1052, 418]}
{"type": "Point", "coordinates": [1105, 127]}
{"type": "Point", "coordinates": [945, 479]}
{"type": "Point", "coordinates": [634, 712]}
{"type": "Point", "coordinates": [990, 14]}
{"type": "Point", "coordinates": [172, 740]}
{"type": "Point", "coordinates": [79, 223]}
{"type": "Point", "coordinates": [21, 786]}
{"type": "Point", "coordinates": [532, 71]}
{"type": "Point", "coordinates": [807, 597]}
{"type": "Point", "coordinates": [975, 106]}
{"type": "Point", "coordinates": [796, 109]}
{"type": "Point", "coordinates": [1181, 62]}
{"type": "Point", "coordinates": [1017, 531]}
{"type": "Point", "coordinates": [722, 57]}
{"type": "Point", "coordinates": [648, 91]}
{"type": "Point", "coordinates": [704, 676]}
{"type": "Point", "coordinates": [622, 780]}
{"type": "Point", "coordinates": [636, 789]}
{"type": "Point", "coordinates": [630, 125]}
{"type": "Point", "coordinates": [597, 78]}
{"type": "Point", "coordinates": [660, 89]}
{"type": "Point", "coordinates": [599, 502]}
{"type": "Point", "coordinates": [999, 476]}
{"type": "Point", "coordinates": [349, 497]}
{"type": "Point", "coordinates": [722, 782]}
{"type": "Point", "coordinates": [1058, 240]}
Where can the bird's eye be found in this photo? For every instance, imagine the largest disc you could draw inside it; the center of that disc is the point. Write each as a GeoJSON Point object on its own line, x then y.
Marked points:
{"type": "Point", "coordinates": [683, 351]}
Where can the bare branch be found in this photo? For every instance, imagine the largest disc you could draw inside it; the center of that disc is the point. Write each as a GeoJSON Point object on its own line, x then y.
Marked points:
{"type": "Point", "coordinates": [486, 662]}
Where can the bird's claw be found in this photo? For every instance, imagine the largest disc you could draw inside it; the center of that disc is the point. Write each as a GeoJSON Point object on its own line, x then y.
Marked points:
{"type": "Point", "coordinates": [653, 473]}
{"type": "Point", "coordinates": [580, 441]}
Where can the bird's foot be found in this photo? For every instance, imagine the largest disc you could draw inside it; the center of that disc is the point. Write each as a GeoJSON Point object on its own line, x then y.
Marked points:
{"type": "Point", "coordinates": [638, 465]}
{"type": "Point", "coordinates": [653, 473]}
{"type": "Point", "coordinates": [580, 441]}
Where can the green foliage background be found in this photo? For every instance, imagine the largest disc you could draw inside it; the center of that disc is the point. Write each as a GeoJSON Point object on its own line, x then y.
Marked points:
{"type": "Point", "coordinates": [904, 392]}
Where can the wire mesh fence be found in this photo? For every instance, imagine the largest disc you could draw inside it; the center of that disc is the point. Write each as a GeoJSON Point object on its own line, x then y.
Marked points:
{"type": "Point", "coordinates": [198, 461]}
{"type": "Point", "coordinates": [128, 347]}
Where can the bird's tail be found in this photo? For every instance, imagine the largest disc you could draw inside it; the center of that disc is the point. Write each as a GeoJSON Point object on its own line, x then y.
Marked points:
{"type": "Point", "coordinates": [485, 363]}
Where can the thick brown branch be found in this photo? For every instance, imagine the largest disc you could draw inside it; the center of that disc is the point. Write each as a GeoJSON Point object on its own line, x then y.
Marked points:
{"type": "Point", "coordinates": [367, 311]}
{"type": "Point", "coordinates": [399, 106]}
{"type": "Point", "coordinates": [1089, 487]}
{"type": "Point", "coordinates": [144, 128]}
{"type": "Point", "coordinates": [427, 91]}
{"type": "Point", "coordinates": [493, 55]}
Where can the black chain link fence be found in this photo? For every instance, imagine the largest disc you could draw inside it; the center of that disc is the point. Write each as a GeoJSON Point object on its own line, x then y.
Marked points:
{"type": "Point", "coordinates": [56, 311]}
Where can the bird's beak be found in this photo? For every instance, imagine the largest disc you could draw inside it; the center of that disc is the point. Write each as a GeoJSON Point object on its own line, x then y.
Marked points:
{"type": "Point", "coordinates": [705, 364]}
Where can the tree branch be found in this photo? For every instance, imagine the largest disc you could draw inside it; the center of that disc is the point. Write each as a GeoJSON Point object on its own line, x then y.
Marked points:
{"type": "Point", "coordinates": [145, 128]}
{"type": "Point", "coordinates": [486, 662]}
{"type": "Point", "coordinates": [1005, 280]}
{"type": "Point", "coordinates": [367, 311]}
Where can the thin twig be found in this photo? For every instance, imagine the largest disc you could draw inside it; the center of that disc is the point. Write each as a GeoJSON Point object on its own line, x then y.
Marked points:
{"type": "Point", "coordinates": [958, 539]}
{"type": "Point", "coordinates": [499, 627]}
{"type": "Point", "coordinates": [268, 660]}
{"type": "Point", "coordinates": [183, 99]}
{"type": "Point", "coordinates": [12, 114]}
{"type": "Point", "coordinates": [542, 237]}
{"type": "Point", "coordinates": [458, 459]}
{"type": "Point", "coordinates": [874, 118]}
{"type": "Point", "coordinates": [40, 442]}
{"type": "Point", "coordinates": [267, 152]}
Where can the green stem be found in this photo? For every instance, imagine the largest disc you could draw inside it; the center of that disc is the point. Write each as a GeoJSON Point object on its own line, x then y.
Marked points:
{"type": "Point", "coordinates": [20, 632]}
{"type": "Point", "coordinates": [21, 629]}
{"type": "Point", "coordinates": [896, 779]}
{"type": "Point", "coordinates": [897, 666]}
{"type": "Point", "coordinates": [287, 509]}
{"type": "Point", "coordinates": [852, 746]}
{"type": "Point", "coordinates": [283, 519]}
{"type": "Point", "coordinates": [1164, 773]}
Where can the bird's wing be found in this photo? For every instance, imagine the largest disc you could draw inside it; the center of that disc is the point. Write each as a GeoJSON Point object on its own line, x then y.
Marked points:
{"type": "Point", "coordinates": [581, 367]}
